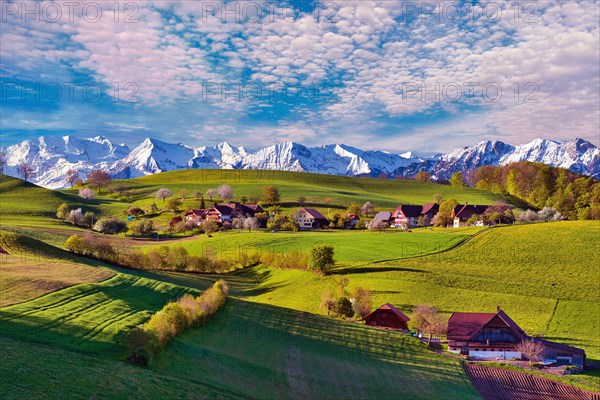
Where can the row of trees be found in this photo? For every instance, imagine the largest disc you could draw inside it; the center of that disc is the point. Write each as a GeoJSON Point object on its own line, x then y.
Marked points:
{"type": "Point", "coordinates": [162, 258]}
{"type": "Point", "coordinates": [147, 340]}
{"type": "Point", "coordinates": [574, 196]}
{"type": "Point", "coordinates": [319, 259]}
{"type": "Point", "coordinates": [270, 195]}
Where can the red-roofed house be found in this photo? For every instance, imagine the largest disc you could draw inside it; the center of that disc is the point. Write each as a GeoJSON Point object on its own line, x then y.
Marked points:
{"type": "Point", "coordinates": [406, 216]}
{"type": "Point", "coordinates": [430, 210]}
{"type": "Point", "coordinates": [496, 336]}
{"type": "Point", "coordinates": [461, 213]}
{"type": "Point", "coordinates": [309, 218]}
{"type": "Point", "coordinates": [388, 316]}
{"type": "Point", "coordinates": [227, 212]}
{"type": "Point", "coordinates": [195, 216]}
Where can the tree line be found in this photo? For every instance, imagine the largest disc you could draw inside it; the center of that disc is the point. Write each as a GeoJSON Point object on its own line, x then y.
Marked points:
{"type": "Point", "coordinates": [147, 340]}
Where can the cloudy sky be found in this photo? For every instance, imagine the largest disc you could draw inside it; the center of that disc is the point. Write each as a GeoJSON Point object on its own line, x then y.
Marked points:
{"type": "Point", "coordinates": [396, 76]}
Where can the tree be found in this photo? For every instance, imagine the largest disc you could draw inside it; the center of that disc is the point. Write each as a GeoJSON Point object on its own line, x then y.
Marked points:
{"type": "Point", "coordinates": [343, 307]}
{"type": "Point", "coordinates": [3, 161]}
{"type": "Point", "coordinates": [438, 198]}
{"type": "Point", "coordinates": [328, 300]}
{"type": "Point", "coordinates": [225, 192]}
{"type": "Point", "coordinates": [354, 209]}
{"type": "Point", "coordinates": [251, 224]}
{"type": "Point", "coordinates": [301, 200]}
{"type": "Point", "coordinates": [26, 171]}
{"type": "Point", "coordinates": [174, 204]}
{"type": "Point", "coordinates": [529, 216]}
{"type": "Point", "coordinates": [211, 193]}
{"type": "Point", "coordinates": [423, 176]}
{"type": "Point", "coordinates": [532, 349]}
{"type": "Point", "coordinates": [202, 203]}
{"type": "Point", "coordinates": [270, 194]}
{"type": "Point", "coordinates": [143, 227]}
{"type": "Point", "coordinates": [135, 211]}
{"type": "Point", "coordinates": [457, 179]}
{"type": "Point", "coordinates": [86, 193]}
{"type": "Point", "coordinates": [142, 345]}
{"type": "Point", "coordinates": [88, 219]}
{"type": "Point", "coordinates": [62, 211]}
{"type": "Point", "coordinates": [209, 226]}
{"type": "Point", "coordinates": [244, 199]}
{"type": "Point", "coordinates": [197, 194]}
{"type": "Point", "coordinates": [98, 178]}
{"type": "Point", "coordinates": [367, 209]}
{"type": "Point", "coordinates": [72, 176]}
{"type": "Point", "coordinates": [162, 194]}
{"type": "Point", "coordinates": [377, 225]}
{"type": "Point", "coordinates": [110, 226]}
{"type": "Point", "coordinates": [321, 258]}
{"type": "Point", "coordinates": [361, 301]}
{"type": "Point", "coordinates": [75, 216]}
{"type": "Point", "coordinates": [549, 214]}
{"type": "Point", "coordinates": [183, 193]}
{"type": "Point", "coordinates": [444, 216]}
{"type": "Point", "coordinates": [426, 319]}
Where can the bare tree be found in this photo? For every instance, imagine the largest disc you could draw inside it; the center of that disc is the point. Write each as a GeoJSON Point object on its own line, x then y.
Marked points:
{"type": "Point", "coordinates": [26, 171]}
{"type": "Point", "coordinates": [197, 194]}
{"type": "Point", "coordinates": [367, 208]}
{"type": "Point", "coordinates": [532, 349]}
{"type": "Point", "coordinates": [426, 319]}
{"type": "Point", "coordinates": [212, 193]}
{"type": "Point", "coordinates": [328, 300]}
{"type": "Point", "coordinates": [98, 178]}
{"type": "Point", "coordinates": [162, 194]}
{"type": "Point", "coordinates": [2, 161]}
{"type": "Point", "coordinates": [225, 192]}
{"type": "Point", "coordinates": [72, 176]}
{"type": "Point", "coordinates": [377, 225]}
{"type": "Point", "coordinates": [361, 301]}
{"type": "Point", "coordinates": [183, 193]}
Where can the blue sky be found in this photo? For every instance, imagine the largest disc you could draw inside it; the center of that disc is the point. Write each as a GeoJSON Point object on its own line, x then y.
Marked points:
{"type": "Point", "coordinates": [396, 76]}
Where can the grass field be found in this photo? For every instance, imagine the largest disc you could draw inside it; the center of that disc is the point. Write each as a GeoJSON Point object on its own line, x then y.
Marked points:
{"type": "Point", "coordinates": [23, 279]}
{"type": "Point", "coordinates": [92, 316]}
{"type": "Point", "coordinates": [351, 247]}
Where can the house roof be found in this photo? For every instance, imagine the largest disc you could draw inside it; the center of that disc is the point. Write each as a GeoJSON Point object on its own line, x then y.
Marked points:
{"type": "Point", "coordinates": [199, 211]}
{"type": "Point", "coordinates": [388, 306]}
{"type": "Point", "coordinates": [313, 213]}
{"type": "Point", "coordinates": [466, 211]}
{"type": "Point", "coordinates": [463, 326]}
{"type": "Point", "coordinates": [409, 210]}
{"type": "Point", "coordinates": [430, 207]}
{"type": "Point", "coordinates": [548, 343]}
{"type": "Point", "coordinates": [383, 216]}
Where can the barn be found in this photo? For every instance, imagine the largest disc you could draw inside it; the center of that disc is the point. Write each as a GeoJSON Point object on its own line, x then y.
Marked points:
{"type": "Point", "coordinates": [389, 317]}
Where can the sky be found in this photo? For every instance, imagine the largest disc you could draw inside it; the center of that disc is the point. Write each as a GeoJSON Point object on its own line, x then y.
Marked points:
{"type": "Point", "coordinates": [428, 76]}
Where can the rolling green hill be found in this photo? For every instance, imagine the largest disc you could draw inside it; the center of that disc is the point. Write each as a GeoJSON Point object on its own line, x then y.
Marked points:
{"type": "Point", "coordinates": [343, 190]}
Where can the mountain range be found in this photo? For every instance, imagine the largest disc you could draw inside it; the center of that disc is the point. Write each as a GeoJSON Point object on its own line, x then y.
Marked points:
{"type": "Point", "coordinates": [52, 157]}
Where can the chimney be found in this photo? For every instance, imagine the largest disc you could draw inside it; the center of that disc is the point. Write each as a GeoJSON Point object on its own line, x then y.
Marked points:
{"type": "Point", "coordinates": [498, 308]}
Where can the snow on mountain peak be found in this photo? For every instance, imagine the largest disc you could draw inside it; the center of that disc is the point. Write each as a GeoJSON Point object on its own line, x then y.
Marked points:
{"type": "Point", "coordinates": [52, 156]}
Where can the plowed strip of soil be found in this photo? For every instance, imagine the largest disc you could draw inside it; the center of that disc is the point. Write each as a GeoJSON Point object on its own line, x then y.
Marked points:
{"type": "Point", "coordinates": [501, 384]}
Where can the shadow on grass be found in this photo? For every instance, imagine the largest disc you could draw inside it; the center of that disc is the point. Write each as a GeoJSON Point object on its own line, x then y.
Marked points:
{"type": "Point", "coordinates": [365, 270]}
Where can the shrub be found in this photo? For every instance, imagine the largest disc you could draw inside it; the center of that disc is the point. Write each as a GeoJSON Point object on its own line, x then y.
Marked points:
{"type": "Point", "coordinates": [343, 308]}
{"type": "Point", "coordinates": [143, 227]}
{"type": "Point", "coordinates": [321, 258]}
{"type": "Point", "coordinates": [62, 211]}
{"type": "Point", "coordinates": [110, 226]}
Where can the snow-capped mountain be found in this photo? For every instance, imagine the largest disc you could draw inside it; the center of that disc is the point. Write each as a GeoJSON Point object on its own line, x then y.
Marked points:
{"type": "Point", "coordinates": [52, 157]}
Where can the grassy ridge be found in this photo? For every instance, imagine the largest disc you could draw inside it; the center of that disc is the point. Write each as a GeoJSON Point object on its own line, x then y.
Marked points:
{"type": "Point", "coordinates": [342, 190]}
{"type": "Point", "coordinates": [91, 316]}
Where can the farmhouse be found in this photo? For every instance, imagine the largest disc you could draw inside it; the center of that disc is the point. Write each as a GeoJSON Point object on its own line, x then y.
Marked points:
{"type": "Point", "coordinates": [383, 216]}
{"type": "Point", "coordinates": [488, 336]}
{"type": "Point", "coordinates": [406, 216]}
{"type": "Point", "coordinates": [430, 210]}
{"type": "Point", "coordinates": [461, 213]}
{"type": "Point", "coordinates": [195, 216]}
{"type": "Point", "coordinates": [309, 218]}
{"type": "Point", "coordinates": [389, 317]}
{"type": "Point", "coordinates": [227, 212]}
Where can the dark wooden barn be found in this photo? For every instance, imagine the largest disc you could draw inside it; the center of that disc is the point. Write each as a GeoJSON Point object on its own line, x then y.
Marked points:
{"type": "Point", "coordinates": [388, 316]}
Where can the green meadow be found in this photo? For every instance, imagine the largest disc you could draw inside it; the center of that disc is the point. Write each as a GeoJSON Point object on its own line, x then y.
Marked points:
{"type": "Point", "coordinates": [272, 339]}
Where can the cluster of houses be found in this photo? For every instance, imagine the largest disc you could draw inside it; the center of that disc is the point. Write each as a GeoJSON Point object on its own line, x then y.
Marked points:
{"type": "Point", "coordinates": [221, 213]}
{"type": "Point", "coordinates": [483, 336]}
{"type": "Point", "coordinates": [404, 216]}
